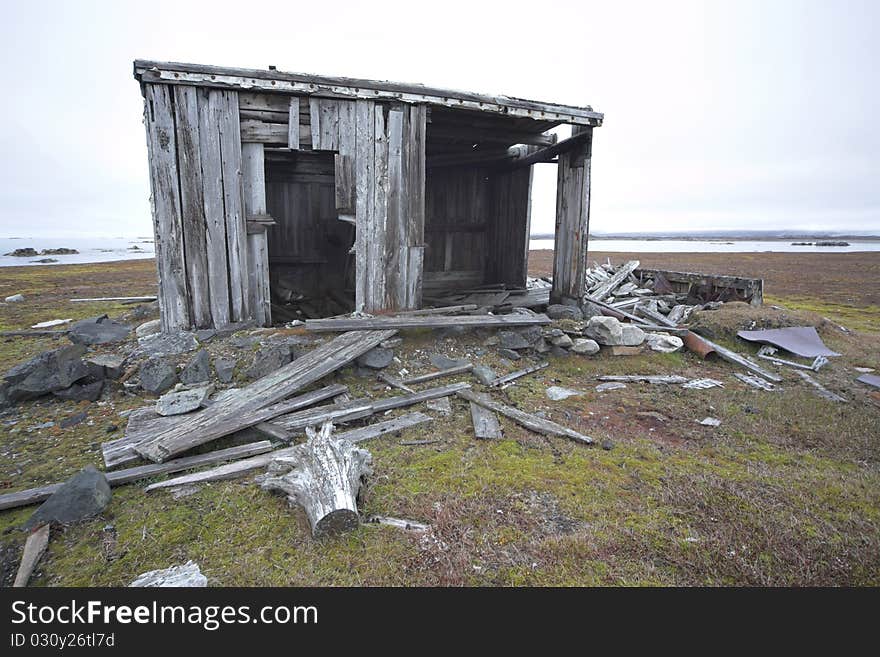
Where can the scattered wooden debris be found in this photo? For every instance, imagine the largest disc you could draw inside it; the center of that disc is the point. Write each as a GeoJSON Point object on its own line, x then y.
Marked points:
{"type": "Point", "coordinates": [229, 471]}
{"type": "Point", "coordinates": [430, 376]}
{"type": "Point", "coordinates": [120, 477]}
{"type": "Point", "coordinates": [145, 423]}
{"type": "Point", "coordinates": [381, 428]}
{"type": "Point", "coordinates": [399, 523]}
{"type": "Point", "coordinates": [755, 381]}
{"type": "Point", "coordinates": [486, 425]}
{"type": "Point", "coordinates": [644, 378]}
{"type": "Point", "coordinates": [815, 366]}
{"type": "Point", "coordinates": [604, 289]}
{"type": "Point", "coordinates": [323, 476]}
{"type": "Point", "coordinates": [513, 376]}
{"type": "Point", "coordinates": [529, 421]}
{"type": "Point", "coordinates": [428, 321]}
{"type": "Point", "coordinates": [821, 390]}
{"type": "Point", "coordinates": [34, 547]}
{"type": "Point", "coordinates": [606, 387]}
{"type": "Point", "coordinates": [239, 411]}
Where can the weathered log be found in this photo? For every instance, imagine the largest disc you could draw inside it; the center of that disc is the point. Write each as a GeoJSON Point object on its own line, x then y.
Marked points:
{"type": "Point", "coordinates": [513, 376]}
{"type": "Point", "coordinates": [323, 476]}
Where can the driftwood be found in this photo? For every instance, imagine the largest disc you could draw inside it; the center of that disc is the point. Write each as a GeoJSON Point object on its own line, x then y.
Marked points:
{"type": "Point", "coordinates": [513, 376]}
{"type": "Point", "coordinates": [486, 425]}
{"type": "Point", "coordinates": [646, 378]}
{"type": "Point", "coordinates": [120, 477]}
{"type": "Point", "coordinates": [323, 476]}
{"type": "Point", "coordinates": [222, 473]}
{"type": "Point", "coordinates": [430, 376]}
{"type": "Point", "coordinates": [238, 411]}
{"type": "Point", "coordinates": [529, 421]}
{"type": "Point", "coordinates": [144, 423]}
{"type": "Point", "coordinates": [34, 547]}
{"type": "Point", "coordinates": [427, 321]}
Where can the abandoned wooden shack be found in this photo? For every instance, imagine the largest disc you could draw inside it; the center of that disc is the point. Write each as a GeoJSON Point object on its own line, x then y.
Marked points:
{"type": "Point", "coordinates": [275, 192]}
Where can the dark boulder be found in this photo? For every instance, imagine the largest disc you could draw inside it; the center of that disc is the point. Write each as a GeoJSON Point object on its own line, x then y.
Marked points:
{"type": "Point", "coordinates": [376, 358]}
{"type": "Point", "coordinates": [158, 375]}
{"type": "Point", "coordinates": [198, 369]}
{"type": "Point", "coordinates": [50, 371]}
{"type": "Point", "coordinates": [85, 495]}
{"type": "Point", "coordinates": [82, 391]}
{"type": "Point", "coordinates": [98, 330]}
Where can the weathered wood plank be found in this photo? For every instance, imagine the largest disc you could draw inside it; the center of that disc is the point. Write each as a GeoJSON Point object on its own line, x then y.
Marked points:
{"type": "Point", "coordinates": [513, 376]}
{"type": "Point", "coordinates": [529, 421]}
{"type": "Point", "coordinates": [236, 230]}
{"type": "Point", "coordinates": [364, 169]}
{"type": "Point", "coordinates": [293, 127]}
{"type": "Point", "coordinates": [430, 321]}
{"type": "Point", "coordinates": [430, 376]}
{"type": "Point", "coordinates": [227, 416]}
{"type": "Point", "coordinates": [254, 187]}
{"type": "Point", "coordinates": [606, 288]}
{"type": "Point", "coordinates": [34, 547]}
{"type": "Point", "coordinates": [215, 215]}
{"type": "Point", "coordinates": [167, 221]}
{"type": "Point", "coordinates": [120, 477]}
{"type": "Point", "coordinates": [486, 425]}
{"type": "Point", "coordinates": [381, 428]}
{"type": "Point", "coordinates": [189, 162]}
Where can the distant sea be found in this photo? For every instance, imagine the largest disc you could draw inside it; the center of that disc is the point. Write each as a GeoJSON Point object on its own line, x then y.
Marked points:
{"type": "Point", "coordinates": [714, 246]}
{"type": "Point", "coordinates": [91, 249]}
{"type": "Point", "coordinates": [108, 249]}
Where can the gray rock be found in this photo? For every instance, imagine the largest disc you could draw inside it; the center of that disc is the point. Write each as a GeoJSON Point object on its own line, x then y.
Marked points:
{"type": "Point", "coordinates": [531, 334]}
{"type": "Point", "coordinates": [607, 444]}
{"type": "Point", "coordinates": [441, 406]}
{"type": "Point", "coordinates": [557, 393]}
{"type": "Point", "coordinates": [559, 311]}
{"type": "Point", "coordinates": [509, 353]}
{"type": "Point", "coordinates": [110, 365]}
{"type": "Point", "coordinates": [184, 401]}
{"type": "Point", "coordinates": [198, 369]}
{"type": "Point", "coordinates": [542, 347]}
{"type": "Point", "coordinates": [444, 363]}
{"type": "Point", "coordinates": [554, 333]}
{"type": "Point", "coordinates": [158, 374]}
{"type": "Point", "coordinates": [585, 346]}
{"type": "Point", "coordinates": [225, 368]}
{"type": "Point", "coordinates": [15, 298]}
{"type": "Point", "coordinates": [167, 344]}
{"type": "Point", "coordinates": [84, 495]}
{"type": "Point", "coordinates": [485, 375]}
{"type": "Point", "coordinates": [376, 358]}
{"type": "Point", "coordinates": [631, 336]}
{"type": "Point", "coordinates": [82, 391]}
{"type": "Point", "coordinates": [73, 420]}
{"type": "Point", "coordinates": [604, 330]}
{"type": "Point", "coordinates": [186, 575]}
{"type": "Point", "coordinates": [98, 330]}
{"type": "Point", "coordinates": [203, 335]}
{"type": "Point", "coordinates": [267, 359]}
{"type": "Point", "coordinates": [562, 341]}
{"type": "Point", "coordinates": [148, 328]}
{"type": "Point", "coordinates": [611, 385]}
{"type": "Point", "coordinates": [512, 340]}
{"type": "Point", "coordinates": [590, 309]}
{"type": "Point", "coordinates": [663, 342]}
{"type": "Point", "coordinates": [559, 352]}
{"type": "Point", "coordinates": [50, 371]}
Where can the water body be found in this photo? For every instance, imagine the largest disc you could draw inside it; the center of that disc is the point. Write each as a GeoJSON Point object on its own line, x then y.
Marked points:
{"type": "Point", "coordinates": [714, 246]}
{"type": "Point", "coordinates": [94, 249]}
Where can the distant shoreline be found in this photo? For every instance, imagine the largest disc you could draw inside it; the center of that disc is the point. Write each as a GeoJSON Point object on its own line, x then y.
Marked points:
{"type": "Point", "coordinates": [719, 238]}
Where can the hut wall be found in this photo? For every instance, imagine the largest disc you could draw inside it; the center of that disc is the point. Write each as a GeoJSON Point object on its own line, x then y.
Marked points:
{"type": "Point", "coordinates": [198, 215]}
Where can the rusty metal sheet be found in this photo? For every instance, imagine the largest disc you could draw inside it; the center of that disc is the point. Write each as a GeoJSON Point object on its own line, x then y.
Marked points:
{"type": "Point", "coordinates": [799, 340]}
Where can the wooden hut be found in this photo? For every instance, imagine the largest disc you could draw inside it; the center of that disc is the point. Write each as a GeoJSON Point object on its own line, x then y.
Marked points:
{"type": "Point", "coordinates": [275, 190]}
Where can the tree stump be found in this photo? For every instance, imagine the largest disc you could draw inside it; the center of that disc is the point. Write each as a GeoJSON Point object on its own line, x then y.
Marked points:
{"type": "Point", "coordinates": [324, 476]}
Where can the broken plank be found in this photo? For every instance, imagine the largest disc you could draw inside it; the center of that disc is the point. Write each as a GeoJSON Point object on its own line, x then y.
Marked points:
{"type": "Point", "coordinates": [529, 421]}
{"type": "Point", "coordinates": [399, 523]}
{"type": "Point", "coordinates": [228, 471]}
{"type": "Point", "coordinates": [755, 381]}
{"type": "Point", "coordinates": [34, 547]}
{"type": "Point", "coordinates": [381, 428]}
{"type": "Point", "coordinates": [143, 423]}
{"type": "Point", "coordinates": [425, 322]}
{"type": "Point", "coordinates": [606, 288]}
{"type": "Point", "coordinates": [442, 310]}
{"type": "Point", "coordinates": [120, 477]}
{"type": "Point", "coordinates": [513, 376]}
{"type": "Point", "coordinates": [430, 376]}
{"type": "Point", "coordinates": [486, 425]}
{"type": "Point", "coordinates": [394, 382]}
{"type": "Point", "coordinates": [646, 378]}
{"type": "Point", "coordinates": [146, 299]}
{"type": "Point", "coordinates": [239, 410]}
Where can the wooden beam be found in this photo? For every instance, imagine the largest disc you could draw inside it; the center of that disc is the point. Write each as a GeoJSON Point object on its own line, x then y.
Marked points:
{"type": "Point", "coordinates": [548, 153]}
{"type": "Point", "coordinates": [498, 134]}
{"type": "Point", "coordinates": [430, 376]}
{"type": "Point", "coordinates": [409, 321]}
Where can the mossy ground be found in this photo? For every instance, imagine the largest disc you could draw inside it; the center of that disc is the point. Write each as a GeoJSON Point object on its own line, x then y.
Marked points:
{"type": "Point", "coordinates": [785, 492]}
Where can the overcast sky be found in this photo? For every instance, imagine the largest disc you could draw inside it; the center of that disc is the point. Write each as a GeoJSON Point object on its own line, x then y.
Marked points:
{"type": "Point", "coordinates": [718, 114]}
